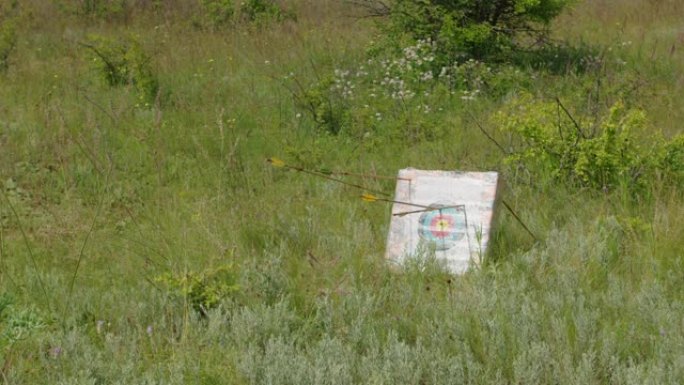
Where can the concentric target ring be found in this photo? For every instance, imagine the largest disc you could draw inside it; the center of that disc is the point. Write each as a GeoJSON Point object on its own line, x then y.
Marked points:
{"type": "Point", "coordinates": [444, 226]}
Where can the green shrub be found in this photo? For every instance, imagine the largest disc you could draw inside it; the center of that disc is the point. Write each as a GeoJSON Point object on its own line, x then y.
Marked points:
{"type": "Point", "coordinates": [124, 62]}
{"type": "Point", "coordinates": [256, 10]}
{"type": "Point", "coordinates": [477, 29]}
{"type": "Point", "coordinates": [326, 104]}
{"type": "Point", "coordinates": [110, 60]}
{"type": "Point", "coordinates": [601, 153]}
{"type": "Point", "coordinates": [670, 160]}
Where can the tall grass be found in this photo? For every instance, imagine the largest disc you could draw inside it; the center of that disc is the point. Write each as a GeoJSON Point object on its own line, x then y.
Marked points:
{"type": "Point", "coordinates": [127, 201]}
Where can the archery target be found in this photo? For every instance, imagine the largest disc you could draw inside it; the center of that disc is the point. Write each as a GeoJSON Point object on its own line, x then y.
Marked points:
{"type": "Point", "coordinates": [455, 217]}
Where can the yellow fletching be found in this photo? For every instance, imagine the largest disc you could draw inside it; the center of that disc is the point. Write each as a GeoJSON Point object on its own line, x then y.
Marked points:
{"type": "Point", "coordinates": [275, 162]}
{"type": "Point", "coordinates": [369, 198]}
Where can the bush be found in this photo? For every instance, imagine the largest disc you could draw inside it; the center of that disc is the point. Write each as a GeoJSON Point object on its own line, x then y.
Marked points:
{"type": "Point", "coordinates": [601, 154]}
{"type": "Point", "coordinates": [124, 62]}
{"type": "Point", "coordinates": [255, 10]}
{"type": "Point", "coordinates": [476, 29]}
{"type": "Point", "coordinates": [327, 105]}
{"type": "Point", "coordinates": [670, 160]}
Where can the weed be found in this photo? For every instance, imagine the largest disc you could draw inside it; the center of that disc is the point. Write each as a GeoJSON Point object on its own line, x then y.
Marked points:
{"type": "Point", "coordinates": [205, 290]}
{"type": "Point", "coordinates": [19, 325]}
{"type": "Point", "coordinates": [16, 323]}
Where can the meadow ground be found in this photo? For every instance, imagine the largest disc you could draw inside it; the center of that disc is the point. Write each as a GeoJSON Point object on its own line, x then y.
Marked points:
{"type": "Point", "coordinates": [145, 239]}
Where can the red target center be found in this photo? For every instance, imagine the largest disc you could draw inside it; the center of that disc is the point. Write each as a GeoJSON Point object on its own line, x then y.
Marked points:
{"type": "Point", "coordinates": [441, 226]}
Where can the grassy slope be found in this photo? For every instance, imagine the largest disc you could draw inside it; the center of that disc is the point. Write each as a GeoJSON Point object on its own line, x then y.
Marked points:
{"type": "Point", "coordinates": [126, 195]}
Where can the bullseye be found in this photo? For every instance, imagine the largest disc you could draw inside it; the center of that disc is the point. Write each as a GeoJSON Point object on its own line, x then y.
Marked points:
{"type": "Point", "coordinates": [443, 227]}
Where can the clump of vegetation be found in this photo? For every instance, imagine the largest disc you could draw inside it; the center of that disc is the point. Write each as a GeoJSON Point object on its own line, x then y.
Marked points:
{"type": "Point", "coordinates": [8, 40]}
{"type": "Point", "coordinates": [323, 102]}
{"type": "Point", "coordinates": [670, 159]}
{"type": "Point", "coordinates": [101, 196]}
{"type": "Point", "coordinates": [615, 150]}
{"type": "Point", "coordinates": [123, 62]}
{"type": "Point", "coordinates": [476, 29]}
{"type": "Point", "coordinates": [96, 9]}
{"type": "Point", "coordinates": [217, 14]}
{"type": "Point", "coordinates": [16, 324]}
{"type": "Point", "coordinates": [406, 86]}
{"type": "Point", "coordinates": [203, 290]}
{"type": "Point", "coordinates": [257, 10]}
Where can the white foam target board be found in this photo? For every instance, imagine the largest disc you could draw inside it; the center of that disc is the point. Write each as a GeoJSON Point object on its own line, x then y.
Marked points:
{"type": "Point", "coordinates": [449, 213]}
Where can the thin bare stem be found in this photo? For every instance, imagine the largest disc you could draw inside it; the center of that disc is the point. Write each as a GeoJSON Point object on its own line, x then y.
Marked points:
{"type": "Point", "coordinates": [32, 256]}
{"type": "Point", "coordinates": [577, 126]}
{"type": "Point", "coordinates": [491, 139]}
{"type": "Point", "coordinates": [83, 246]}
{"type": "Point", "coordinates": [517, 218]}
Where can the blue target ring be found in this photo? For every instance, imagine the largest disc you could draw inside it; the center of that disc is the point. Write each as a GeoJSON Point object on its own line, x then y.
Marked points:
{"type": "Point", "coordinates": [442, 226]}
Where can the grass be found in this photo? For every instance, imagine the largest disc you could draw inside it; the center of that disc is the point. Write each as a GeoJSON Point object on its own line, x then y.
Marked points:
{"type": "Point", "coordinates": [125, 202]}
